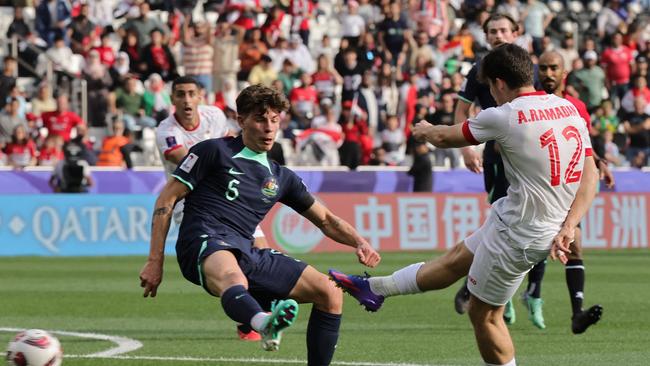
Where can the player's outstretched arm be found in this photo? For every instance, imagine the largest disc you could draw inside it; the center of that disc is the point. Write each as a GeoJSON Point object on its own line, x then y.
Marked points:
{"type": "Point", "coordinates": [341, 231]}
{"type": "Point", "coordinates": [151, 274]}
{"type": "Point", "coordinates": [440, 136]}
{"type": "Point", "coordinates": [581, 203]}
{"type": "Point", "coordinates": [473, 160]}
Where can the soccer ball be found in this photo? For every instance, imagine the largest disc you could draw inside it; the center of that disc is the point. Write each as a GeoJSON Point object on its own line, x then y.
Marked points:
{"type": "Point", "coordinates": [34, 347]}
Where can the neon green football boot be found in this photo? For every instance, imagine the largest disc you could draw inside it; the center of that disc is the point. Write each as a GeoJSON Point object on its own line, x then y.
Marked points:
{"type": "Point", "coordinates": [535, 314]}
{"type": "Point", "coordinates": [283, 314]}
{"type": "Point", "coordinates": [509, 315]}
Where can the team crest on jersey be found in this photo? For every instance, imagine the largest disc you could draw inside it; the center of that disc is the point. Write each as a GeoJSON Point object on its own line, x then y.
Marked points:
{"type": "Point", "coordinates": [171, 141]}
{"type": "Point", "coordinates": [270, 187]}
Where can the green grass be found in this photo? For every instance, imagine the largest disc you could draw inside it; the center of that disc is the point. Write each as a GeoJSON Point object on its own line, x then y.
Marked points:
{"type": "Point", "coordinates": [102, 295]}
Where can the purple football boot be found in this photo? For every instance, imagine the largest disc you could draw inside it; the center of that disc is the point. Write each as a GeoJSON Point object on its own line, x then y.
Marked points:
{"type": "Point", "coordinates": [359, 288]}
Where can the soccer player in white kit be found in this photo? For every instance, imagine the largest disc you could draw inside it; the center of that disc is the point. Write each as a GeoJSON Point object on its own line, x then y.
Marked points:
{"type": "Point", "coordinates": [547, 155]}
{"type": "Point", "coordinates": [190, 124]}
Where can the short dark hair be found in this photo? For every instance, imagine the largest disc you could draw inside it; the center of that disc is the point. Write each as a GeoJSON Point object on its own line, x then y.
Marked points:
{"type": "Point", "coordinates": [185, 80]}
{"type": "Point", "coordinates": [257, 99]}
{"type": "Point", "coordinates": [509, 63]}
{"type": "Point", "coordinates": [499, 16]}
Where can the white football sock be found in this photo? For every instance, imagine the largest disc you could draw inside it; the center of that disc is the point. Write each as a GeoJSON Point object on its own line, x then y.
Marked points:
{"type": "Point", "coordinates": [258, 321]}
{"type": "Point", "coordinates": [401, 282]}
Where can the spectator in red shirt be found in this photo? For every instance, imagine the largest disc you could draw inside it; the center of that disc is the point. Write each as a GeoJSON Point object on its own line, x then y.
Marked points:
{"type": "Point", "coordinates": [51, 152]}
{"type": "Point", "coordinates": [354, 129]}
{"type": "Point", "coordinates": [158, 58]}
{"type": "Point", "coordinates": [21, 151]}
{"type": "Point", "coordinates": [271, 27]}
{"type": "Point", "coordinates": [616, 61]}
{"type": "Point", "coordinates": [132, 46]}
{"type": "Point", "coordinates": [304, 100]}
{"type": "Point", "coordinates": [61, 121]}
{"type": "Point", "coordinates": [106, 52]}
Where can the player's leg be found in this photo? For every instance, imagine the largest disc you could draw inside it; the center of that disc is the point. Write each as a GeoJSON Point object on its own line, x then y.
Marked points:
{"type": "Point", "coordinates": [533, 295]}
{"type": "Point", "coordinates": [325, 319]}
{"type": "Point", "coordinates": [496, 186]}
{"type": "Point", "coordinates": [223, 277]}
{"type": "Point", "coordinates": [497, 271]}
{"type": "Point", "coordinates": [575, 280]}
{"type": "Point", "coordinates": [491, 332]}
{"type": "Point", "coordinates": [415, 278]}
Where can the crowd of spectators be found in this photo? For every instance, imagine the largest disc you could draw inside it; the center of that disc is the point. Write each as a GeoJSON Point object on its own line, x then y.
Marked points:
{"type": "Point", "coordinates": [356, 86]}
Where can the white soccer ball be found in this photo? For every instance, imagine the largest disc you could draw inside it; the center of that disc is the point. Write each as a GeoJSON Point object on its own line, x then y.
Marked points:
{"type": "Point", "coordinates": [34, 347]}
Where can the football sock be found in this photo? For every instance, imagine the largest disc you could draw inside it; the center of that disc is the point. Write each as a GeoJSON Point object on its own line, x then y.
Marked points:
{"type": "Point", "coordinates": [535, 277]}
{"type": "Point", "coordinates": [575, 281]}
{"type": "Point", "coordinates": [322, 334]}
{"type": "Point", "coordinates": [241, 307]}
{"type": "Point", "coordinates": [401, 282]}
{"type": "Point", "coordinates": [244, 328]}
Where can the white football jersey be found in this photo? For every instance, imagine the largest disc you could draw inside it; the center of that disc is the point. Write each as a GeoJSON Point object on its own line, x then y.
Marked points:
{"type": "Point", "coordinates": [543, 142]}
{"type": "Point", "coordinates": [170, 135]}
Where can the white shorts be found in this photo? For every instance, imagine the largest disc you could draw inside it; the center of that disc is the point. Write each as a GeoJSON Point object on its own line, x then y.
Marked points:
{"type": "Point", "coordinates": [499, 266]}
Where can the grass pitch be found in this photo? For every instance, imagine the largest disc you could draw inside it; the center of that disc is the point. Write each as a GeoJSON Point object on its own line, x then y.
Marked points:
{"type": "Point", "coordinates": [184, 326]}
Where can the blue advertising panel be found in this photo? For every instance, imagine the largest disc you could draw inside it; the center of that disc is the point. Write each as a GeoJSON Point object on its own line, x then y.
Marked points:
{"type": "Point", "coordinates": [77, 224]}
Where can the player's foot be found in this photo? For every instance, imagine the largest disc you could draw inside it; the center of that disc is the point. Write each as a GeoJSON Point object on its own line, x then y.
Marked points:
{"type": "Point", "coordinates": [535, 314]}
{"type": "Point", "coordinates": [461, 300]}
{"type": "Point", "coordinates": [251, 336]}
{"type": "Point", "coordinates": [283, 314]}
{"type": "Point", "coordinates": [584, 319]}
{"type": "Point", "coordinates": [509, 315]}
{"type": "Point", "coordinates": [359, 288]}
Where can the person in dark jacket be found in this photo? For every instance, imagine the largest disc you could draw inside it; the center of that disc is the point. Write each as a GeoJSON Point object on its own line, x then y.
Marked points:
{"type": "Point", "coordinates": [421, 170]}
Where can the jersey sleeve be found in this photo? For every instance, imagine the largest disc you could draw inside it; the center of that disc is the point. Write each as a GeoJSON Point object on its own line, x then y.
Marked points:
{"type": "Point", "coordinates": [201, 159]}
{"type": "Point", "coordinates": [295, 193]}
{"type": "Point", "coordinates": [168, 140]}
{"type": "Point", "coordinates": [469, 90]}
{"type": "Point", "coordinates": [489, 124]}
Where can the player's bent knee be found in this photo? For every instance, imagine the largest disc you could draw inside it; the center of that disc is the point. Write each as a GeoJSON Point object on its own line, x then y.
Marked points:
{"type": "Point", "coordinates": [481, 313]}
{"type": "Point", "coordinates": [329, 298]}
{"type": "Point", "coordinates": [458, 260]}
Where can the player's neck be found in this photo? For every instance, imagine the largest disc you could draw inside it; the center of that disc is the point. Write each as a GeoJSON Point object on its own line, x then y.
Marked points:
{"type": "Point", "coordinates": [523, 90]}
{"type": "Point", "coordinates": [511, 94]}
{"type": "Point", "coordinates": [189, 125]}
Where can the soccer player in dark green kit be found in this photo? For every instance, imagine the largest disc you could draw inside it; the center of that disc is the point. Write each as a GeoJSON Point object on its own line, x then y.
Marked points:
{"type": "Point", "coordinates": [229, 185]}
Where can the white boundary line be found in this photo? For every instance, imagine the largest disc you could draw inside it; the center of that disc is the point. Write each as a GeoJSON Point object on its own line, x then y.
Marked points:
{"type": "Point", "coordinates": [246, 360]}
{"type": "Point", "coordinates": [125, 345]}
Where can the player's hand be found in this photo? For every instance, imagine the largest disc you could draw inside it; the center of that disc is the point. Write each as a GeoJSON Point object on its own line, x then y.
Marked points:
{"type": "Point", "coordinates": [151, 276]}
{"type": "Point", "coordinates": [473, 160]}
{"type": "Point", "coordinates": [561, 244]}
{"type": "Point", "coordinates": [367, 255]}
{"type": "Point", "coordinates": [606, 174]}
{"type": "Point", "coordinates": [421, 131]}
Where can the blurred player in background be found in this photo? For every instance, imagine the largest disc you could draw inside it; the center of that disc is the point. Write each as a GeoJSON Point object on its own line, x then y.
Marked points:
{"type": "Point", "coordinates": [190, 124]}
{"type": "Point", "coordinates": [553, 180]}
{"type": "Point", "coordinates": [229, 185]}
{"type": "Point", "coordinates": [552, 76]}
